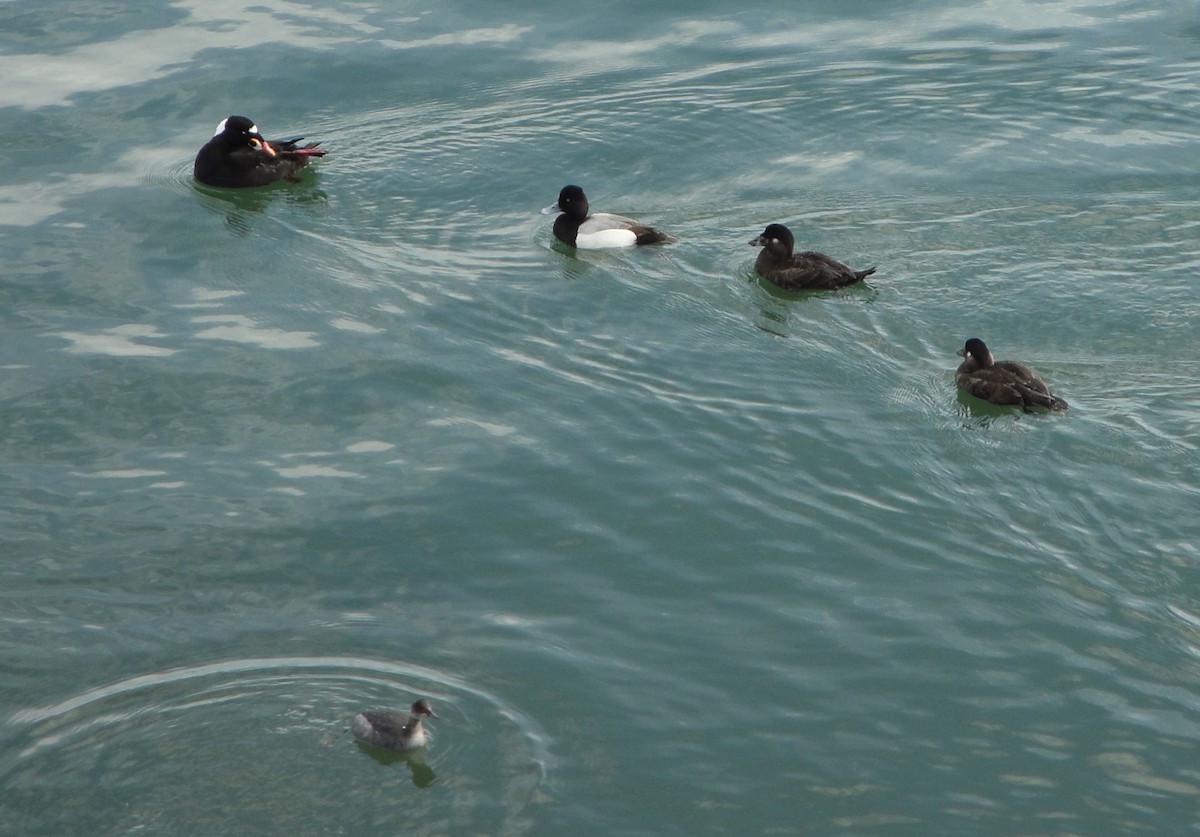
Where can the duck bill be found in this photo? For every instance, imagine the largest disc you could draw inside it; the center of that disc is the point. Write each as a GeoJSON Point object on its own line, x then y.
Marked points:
{"type": "Point", "coordinates": [961, 353]}
{"type": "Point", "coordinates": [262, 145]}
{"type": "Point", "coordinates": [758, 242]}
{"type": "Point", "coordinates": [552, 209]}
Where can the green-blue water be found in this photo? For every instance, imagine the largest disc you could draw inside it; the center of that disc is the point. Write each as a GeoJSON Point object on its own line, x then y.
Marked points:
{"type": "Point", "coordinates": [670, 552]}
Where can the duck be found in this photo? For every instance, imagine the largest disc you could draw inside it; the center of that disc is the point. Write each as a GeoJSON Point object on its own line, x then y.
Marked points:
{"type": "Point", "coordinates": [237, 156]}
{"type": "Point", "coordinates": [601, 231]}
{"type": "Point", "coordinates": [800, 271]}
{"type": "Point", "coordinates": [393, 730]}
{"type": "Point", "coordinates": [1003, 382]}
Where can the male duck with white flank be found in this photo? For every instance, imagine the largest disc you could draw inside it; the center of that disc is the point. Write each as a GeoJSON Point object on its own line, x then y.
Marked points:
{"type": "Point", "coordinates": [1003, 382]}
{"type": "Point", "coordinates": [800, 271]}
{"type": "Point", "coordinates": [237, 156]}
{"type": "Point", "coordinates": [601, 231]}
{"type": "Point", "coordinates": [393, 730]}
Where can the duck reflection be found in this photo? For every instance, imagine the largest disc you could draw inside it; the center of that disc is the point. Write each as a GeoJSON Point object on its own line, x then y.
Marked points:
{"type": "Point", "coordinates": [422, 774]}
{"type": "Point", "coordinates": [241, 206]}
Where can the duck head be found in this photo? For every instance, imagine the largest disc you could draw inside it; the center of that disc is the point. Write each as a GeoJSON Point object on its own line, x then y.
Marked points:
{"type": "Point", "coordinates": [777, 239]}
{"type": "Point", "coordinates": [238, 131]}
{"type": "Point", "coordinates": [571, 202]}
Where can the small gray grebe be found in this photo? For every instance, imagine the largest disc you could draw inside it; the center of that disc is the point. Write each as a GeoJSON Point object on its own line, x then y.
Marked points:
{"type": "Point", "coordinates": [393, 730]}
{"type": "Point", "coordinates": [1002, 382]}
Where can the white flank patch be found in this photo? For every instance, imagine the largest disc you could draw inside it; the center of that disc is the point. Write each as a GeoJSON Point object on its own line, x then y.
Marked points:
{"type": "Point", "coordinates": [606, 239]}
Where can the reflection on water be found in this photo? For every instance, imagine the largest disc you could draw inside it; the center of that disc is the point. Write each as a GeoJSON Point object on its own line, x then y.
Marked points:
{"type": "Point", "coordinates": [422, 774]}
{"type": "Point", "coordinates": [240, 206]}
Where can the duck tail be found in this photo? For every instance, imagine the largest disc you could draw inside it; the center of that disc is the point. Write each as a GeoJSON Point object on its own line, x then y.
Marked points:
{"type": "Point", "coordinates": [1045, 400]}
{"type": "Point", "coordinates": [653, 236]}
{"type": "Point", "coordinates": [860, 275]}
{"type": "Point", "coordinates": [309, 150]}
{"type": "Point", "coordinates": [291, 145]}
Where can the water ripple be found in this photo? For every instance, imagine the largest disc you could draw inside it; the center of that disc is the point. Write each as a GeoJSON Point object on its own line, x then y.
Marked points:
{"type": "Point", "coordinates": [285, 740]}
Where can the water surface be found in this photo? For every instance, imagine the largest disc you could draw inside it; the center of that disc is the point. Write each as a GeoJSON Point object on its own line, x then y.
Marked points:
{"type": "Point", "coordinates": [671, 552]}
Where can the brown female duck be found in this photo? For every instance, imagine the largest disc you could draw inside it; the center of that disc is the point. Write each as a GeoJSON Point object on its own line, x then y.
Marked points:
{"type": "Point", "coordinates": [1004, 382]}
{"type": "Point", "coordinates": [800, 271]}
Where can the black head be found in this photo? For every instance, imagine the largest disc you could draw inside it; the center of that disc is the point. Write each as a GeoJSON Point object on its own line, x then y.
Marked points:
{"type": "Point", "coordinates": [977, 349]}
{"type": "Point", "coordinates": [572, 202]}
{"type": "Point", "coordinates": [238, 131]}
{"type": "Point", "coordinates": [777, 238]}
{"type": "Point", "coordinates": [422, 707]}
